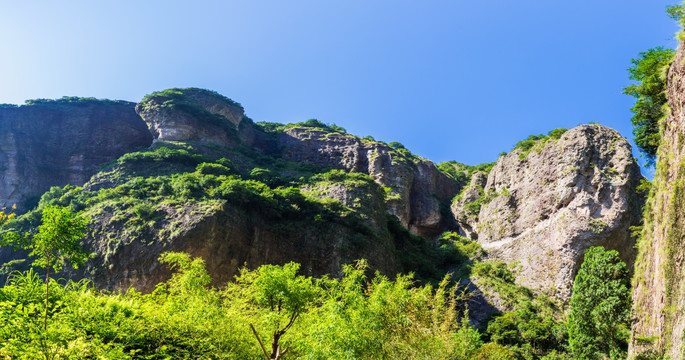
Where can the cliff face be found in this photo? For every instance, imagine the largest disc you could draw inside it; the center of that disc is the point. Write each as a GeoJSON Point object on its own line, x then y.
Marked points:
{"type": "Point", "coordinates": [216, 185]}
{"type": "Point", "coordinates": [544, 208]}
{"type": "Point", "coordinates": [192, 115]}
{"type": "Point", "coordinates": [131, 229]}
{"type": "Point", "coordinates": [418, 191]}
{"type": "Point", "coordinates": [229, 237]}
{"type": "Point", "coordinates": [55, 143]}
{"type": "Point", "coordinates": [658, 288]}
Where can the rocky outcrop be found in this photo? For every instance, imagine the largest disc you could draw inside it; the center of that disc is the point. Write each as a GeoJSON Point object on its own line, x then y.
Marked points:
{"type": "Point", "coordinates": [543, 208]}
{"type": "Point", "coordinates": [55, 143]}
{"type": "Point", "coordinates": [228, 237]}
{"type": "Point", "coordinates": [417, 191]}
{"type": "Point", "coordinates": [467, 206]}
{"type": "Point", "coordinates": [192, 115]}
{"type": "Point", "coordinates": [658, 282]}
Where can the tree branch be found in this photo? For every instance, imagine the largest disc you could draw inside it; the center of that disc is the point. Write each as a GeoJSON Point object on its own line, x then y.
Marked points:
{"type": "Point", "coordinates": [266, 355]}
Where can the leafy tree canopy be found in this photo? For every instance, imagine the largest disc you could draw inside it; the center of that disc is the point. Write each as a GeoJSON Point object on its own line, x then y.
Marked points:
{"type": "Point", "coordinates": [600, 306]}
{"type": "Point", "coordinates": [649, 73]}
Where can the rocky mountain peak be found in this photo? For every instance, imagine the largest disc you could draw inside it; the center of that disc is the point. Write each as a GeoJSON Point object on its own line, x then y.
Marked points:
{"type": "Point", "coordinates": [192, 115]}
{"type": "Point", "coordinates": [550, 199]}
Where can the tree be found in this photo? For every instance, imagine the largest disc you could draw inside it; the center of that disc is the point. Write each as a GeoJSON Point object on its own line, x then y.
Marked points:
{"type": "Point", "coordinates": [600, 306]}
{"type": "Point", "coordinates": [284, 296]}
{"type": "Point", "coordinates": [57, 240]}
{"type": "Point", "coordinates": [676, 12]}
{"type": "Point", "coordinates": [649, 71]}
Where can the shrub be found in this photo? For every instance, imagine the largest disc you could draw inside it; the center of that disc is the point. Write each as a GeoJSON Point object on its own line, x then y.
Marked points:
{"type": "Point", "coordinates": [213, 169]}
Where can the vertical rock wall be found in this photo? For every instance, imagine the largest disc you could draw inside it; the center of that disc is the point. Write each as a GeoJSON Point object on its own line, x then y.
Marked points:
{"type": "Point", "coordinates": [56, 143]}
{"type": "Point", "coordinates": [658, 283]}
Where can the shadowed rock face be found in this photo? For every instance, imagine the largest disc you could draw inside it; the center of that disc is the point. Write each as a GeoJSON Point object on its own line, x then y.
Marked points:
{"type": "Point", "coordinates": [658, 286]}
{"type": "Point", "coordinates": [417, 189]}
{"type": "Point", "coordinates": [227, 238]}
{"type": "Point", "coordinates": [545, 209]}
{"type": "Point", "coordinates": [58, 143]}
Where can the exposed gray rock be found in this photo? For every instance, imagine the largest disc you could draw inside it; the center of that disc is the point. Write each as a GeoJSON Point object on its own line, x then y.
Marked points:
{"type": "Point", "coordinates": [468, 219]}
{"type": "Point", "coordinates": [192, 115]}
{"type": "Point", "coordinates": [416, 189]}
{"type": "Point", "coordinates": [544, 209]}
{"type": "Point", "coordinates": [659, 281]}
{"type": "Point", "coordinates": [229, 237]}
{"type": "Point", "coordinates": [55, 143]}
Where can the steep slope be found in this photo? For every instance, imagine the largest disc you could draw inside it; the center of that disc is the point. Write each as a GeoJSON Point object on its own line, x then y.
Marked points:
{"type": "Point", "coordinates": [658, 289]}
{"type": "Point", "coordinates": [547, 201]}
{"type": "Point", "coordinates": [216, 185]}
{"type": "Point", "coordinates": [419, 193]}
{"type": "Point", "coordinates": [57, 142]}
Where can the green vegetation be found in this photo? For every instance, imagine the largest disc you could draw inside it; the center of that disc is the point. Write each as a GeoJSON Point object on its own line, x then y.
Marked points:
{"type": "Point", "coordinates": [73, 100]}
{"type": "Point", "coordinates": [537, 142]}
{"type": "Point", "coordinates": [462, 173]}
{"type": "Point", "coordinates": [399, 153]}
{"type": "Point", "coordinates": [649, 71]}
{"type": "Point", "coordinates": [472, 208]}
{"type": "Point", "coordinates": [185, 101]}
{"type": "Point", "coordinates": [600, 307]}
{"type": "Point", "coordinates": [162, 154]}
{"type": "Point", "coordinates": [534, 327]}
{"type": "Point", "coordinates": [353, 317]}
{"type": "Point", "coordinates": [58, 240]}
{"type": "Point", "coordinates": [314, 124]}
{"type": "Point", "coordinates": [6, 215]}
{"type": "Point", "coordinates": [677, 13]}
{"type": "Point", "coordinates": [180, 95]}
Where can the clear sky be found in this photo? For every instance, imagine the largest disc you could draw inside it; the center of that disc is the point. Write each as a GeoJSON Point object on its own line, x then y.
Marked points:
{"type": "Point", "coordinates": [451, 80]}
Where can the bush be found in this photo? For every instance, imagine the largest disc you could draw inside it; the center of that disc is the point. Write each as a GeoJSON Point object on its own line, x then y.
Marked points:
{"type": "Point", "coordinates": [213, 169]}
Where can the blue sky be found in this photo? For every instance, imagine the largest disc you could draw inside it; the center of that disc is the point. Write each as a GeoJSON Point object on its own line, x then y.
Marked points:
{"type": "Point", "coordinates": [451, 80]}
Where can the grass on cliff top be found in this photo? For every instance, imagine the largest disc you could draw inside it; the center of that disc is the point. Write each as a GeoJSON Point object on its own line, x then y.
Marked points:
{"type": "Point", "coordinates": [184, 94]}
{"type": "Point", "coordinates": [75, 101]}
{"type": "Point", "coordinates": [272, 127]}
{"type": "Point", "coordinates": [399, 153]}
{"type": "Point", "coordinates": [537, 142]}
{"type": "Point", "coordinates": [185, 101]}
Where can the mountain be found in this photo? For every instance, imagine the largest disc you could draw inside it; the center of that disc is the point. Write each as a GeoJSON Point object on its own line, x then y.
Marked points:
{"type": "Point", "coordinates": [187, 170]}
{"type": "Point", "coordinates": [544, 203]}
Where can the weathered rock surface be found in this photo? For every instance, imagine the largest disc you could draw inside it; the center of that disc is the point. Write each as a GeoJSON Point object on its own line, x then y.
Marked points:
{"type": "Point", "coordinates": [192, 115]}
{"type": "Point", "coordinates": [468, 218]}
{"type": "Point", "coordinates": [55, 143]}
{"type": "Point", "coordinates": [417, 189]}
{"type": "Point", "coordinates": [545, 209]}
{"type": "Point", "coordinates": [228, 238]}
{"type": "Point", "coordinates": [658, 283]}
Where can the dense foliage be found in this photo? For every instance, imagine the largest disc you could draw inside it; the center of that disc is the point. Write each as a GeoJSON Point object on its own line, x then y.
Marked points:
{"type": "Point", "coordinates": [462, 173]}
{"type": "Point", "coordinates": [600, 307]}
{"type": "Point", "coordinates": [354, 317]}
{"type": "Point", "coordinates": [649, 71]}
